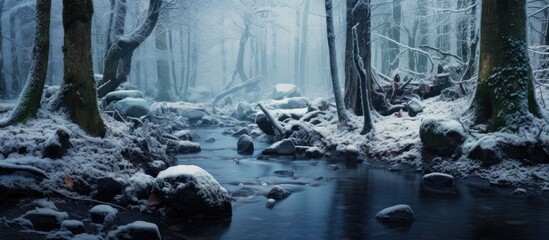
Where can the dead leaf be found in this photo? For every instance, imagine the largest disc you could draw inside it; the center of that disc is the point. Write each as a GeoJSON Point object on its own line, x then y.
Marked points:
{"type": "Point", "coordinates": [68, 182]}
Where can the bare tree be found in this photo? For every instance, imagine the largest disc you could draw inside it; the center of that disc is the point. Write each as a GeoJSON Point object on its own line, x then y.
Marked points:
{"type": "Point", "coordinates": [341, 112]}
{"type": "Point", "coordinates": [119, 55]}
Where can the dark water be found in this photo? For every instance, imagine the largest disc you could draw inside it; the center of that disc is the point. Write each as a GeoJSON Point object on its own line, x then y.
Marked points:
{"type": "Point", "coordinates": [341, 204]}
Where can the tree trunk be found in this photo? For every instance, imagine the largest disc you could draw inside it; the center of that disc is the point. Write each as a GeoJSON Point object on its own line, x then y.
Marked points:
{"type": "Point", "coordinates": [29, 101]}
{"type": "Point", "coordinates": [239, 68]}
{"type": "Point", "coordinates": [3, 87]}
{"type": "Point", "coordinates": [15, 81]}
{"type": "Point", "coordinates": [117, 21]}
{"type": "Point", "coordinates": [303, 48]}
{"type": "Point", "coordinates": [124, 46]}
{"type": "Point", "coordinates": [505, 93]}
{"type": "Point", "coordinates": [172, 61]}
{"type": "Point", "coordinates": [162, 67]}
{"type": "Point", "coordinates": [364, 73]}
{"type": "Point", "coordinates": [423, 35]}
{"type": "Point", "coordinates": [351, 95]}
{"type": "Point", "coordinates": [341, 113]}
{"type": "Point", "coordinates": [472, 49]}
{"type": "Point", "coordinates": [394, 33]}
{"type": "Point", "coordinates": [77, 94]}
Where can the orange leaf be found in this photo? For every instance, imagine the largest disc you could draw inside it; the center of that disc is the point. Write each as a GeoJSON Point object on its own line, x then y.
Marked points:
{"type": "Point", "coordinates": [69, 182]}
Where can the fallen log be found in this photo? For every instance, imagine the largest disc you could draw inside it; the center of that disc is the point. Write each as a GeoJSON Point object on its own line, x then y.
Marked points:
{"type": "Point", "coordinates": [235, 89]}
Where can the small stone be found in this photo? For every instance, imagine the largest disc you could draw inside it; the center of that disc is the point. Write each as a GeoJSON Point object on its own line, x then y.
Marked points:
{"type": "Point", "coordinates": [284, 147]}
{"type": "Point", "coordinates": [286, 173]}
{"type": "Point", "coordinates": [138, 230]}
{"type": "Point", "coordinates": [103, 214]}
{"type": "Point", "coordinates": [396, 214]}
{"type": "Point", "coordinates": [45, 219]}
{"type": "Point", "coordinates": [437, 180]}
{"type": "Point", "coordinates": [240, 132]}
{"type": "Point", "coordinates": [333, 167]}
{"type": "Point", "coordinates": [520, 193]}
{"type": "Point", "coordinates": [313, 153]}
{"type": "Point", "coordinates": [270, 203]}
{"type": "Point", "coordinates": [210, 140]}
{"type": "Point", "coordinates": [278, 193]}
{"type": "Point", "coordinates": [73, 226]}
{"type": "Point", "coordinates": [57, 144]}
{"type": "Point", "coordinates": [245, 145]}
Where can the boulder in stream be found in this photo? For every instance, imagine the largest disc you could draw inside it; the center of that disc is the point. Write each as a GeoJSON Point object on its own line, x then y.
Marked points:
{"type": "Point", "coordinates": [278, 193]}
{"type": "Point", "coordinates": [245, 145]}
{"type": "Point", "coordinates": [284, 147]}
{"type": "Point", "coordinates": [399, 214]}
{"type": "Point", "coordinates": [437, 180]}
{"type": "Point", "coordinates": [188, 190]}
{"type": "Point", "coordinates": [45, 219]}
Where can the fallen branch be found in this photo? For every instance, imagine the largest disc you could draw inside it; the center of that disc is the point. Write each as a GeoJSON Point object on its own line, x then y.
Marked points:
{"type": "Point", "coordinates": [235, 89]}
{"type": "Point", "coordinates": [29, 169]}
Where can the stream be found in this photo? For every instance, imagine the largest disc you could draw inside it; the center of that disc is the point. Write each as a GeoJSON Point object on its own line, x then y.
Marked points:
{"type": "Point", "coordinates": [338, 200]}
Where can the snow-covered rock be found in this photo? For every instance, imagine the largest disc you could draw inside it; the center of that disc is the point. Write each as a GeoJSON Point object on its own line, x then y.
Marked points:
{"type": "Point", "coordinates": [138, 187]}
{"type": "Point", "coordinates": [396, 214]}
{"type": "Point", "coordinates": [103, 214]}
{"type": "Point", "coordinates": [188, 190]}
{"type": "Point", "coordinates": [45, 219]}
{"type": "Point", "coordinates": [86, 236]}
{"type": "Point", "coordinates": [185, 135]}
{"type": "Point", "coordinates": [442, 136]}
{"type": "Point", "coordinates": [240, 132]}
{"type": "Point", "coordinates": [56, 145]}
{"type": "Point", "coordinates": [131, 107]}
{"type": "Point", "coordinates": [487, 150]}
{"type": "Point", "coordinates": [285, 173]}
{"type": "Point", "coordinates": [283, 90]}
{"type": "Point", "coordinates": [245, 145]}
{"type": "Point", "coordinates": [244, 112]}
{"type": "Point", "coordinates": [284, 147]}
{"type": "Point", "coordinates": [119, 95]}
{"type": "Point", "coordinates": [278, 193]}
{"type": "Point", "coordinates": [437, 180]}
{"type": "Point", "coordinates": [73, 226]}
{"type": "Point", "coordinates": [183, 147]}
{"type": "Point", "coordinates": [351, 153]}
{"type": "Point", "coordinates": [138, 230]}
{"type": "Point", "coordinates": [413, 107]}
{"type": "Point", "coordinates": [314, 153]}
{"type": "Point", "coordinates": [270, 203]}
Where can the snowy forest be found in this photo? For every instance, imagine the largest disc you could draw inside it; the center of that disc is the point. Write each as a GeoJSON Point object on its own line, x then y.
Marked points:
{"type": "Point", "coordinates": [273, 119]}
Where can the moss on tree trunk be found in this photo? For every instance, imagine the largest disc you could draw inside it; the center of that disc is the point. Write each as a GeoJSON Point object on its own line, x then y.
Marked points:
{"type": "Point", "coordinates": [78, 94]}
{"type": "Point", "coordinates": [505, 93]}
{"type": "Point", "coordinates": [29, 100]}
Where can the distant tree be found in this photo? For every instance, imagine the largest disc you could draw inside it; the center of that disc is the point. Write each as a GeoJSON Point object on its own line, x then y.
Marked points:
{"type": "Point", "coordinates": [3, 88]}
{"type": "Point", "coordinates": [162, 66]}
{"type": "Point", "coordinates": [341, 112]}
{"type": "Point", "coordinates": [78, 94]}
{"type": "Point", "coordinates": [505, 93]}
{"type": "Point", "coordinates": [29, 100]}
{"type": "Point", "coordinates": [119, 55]}
{"type": "Point", "coordinates": [364, 74]}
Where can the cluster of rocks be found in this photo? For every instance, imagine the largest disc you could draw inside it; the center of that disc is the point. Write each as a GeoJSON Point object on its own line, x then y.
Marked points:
{"type": "Point", "coordinates": [100, 223]}
{"type": "Point", "coordinates": [126, 103]}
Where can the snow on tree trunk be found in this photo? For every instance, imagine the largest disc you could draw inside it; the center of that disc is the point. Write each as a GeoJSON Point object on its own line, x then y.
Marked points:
{"type": "Point", "coordinates": [505, 94]}
{"type": "Point", "coordinates": [162, 67]}
{"type": "Point", "coordinates": [29, 100]}
{"type": "Point", "coordinates": [3, 86]}
{"type": "Point", "coordinates": [77, 94]}
{"type": "Point", "coordinates": [351, 94]}
{"type": "Point", "coordinates": [125, 45]}
{"type": "Point", "coordinates": [364, 74]}
{"type": "Point", "coordinates": [341, 113]}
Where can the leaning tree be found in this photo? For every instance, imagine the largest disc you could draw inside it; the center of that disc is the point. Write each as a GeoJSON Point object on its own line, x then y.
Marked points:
{"type": "Point", "coordinates": [505, 96]}
{"type": "Point", "coordinates": [29, 100]}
